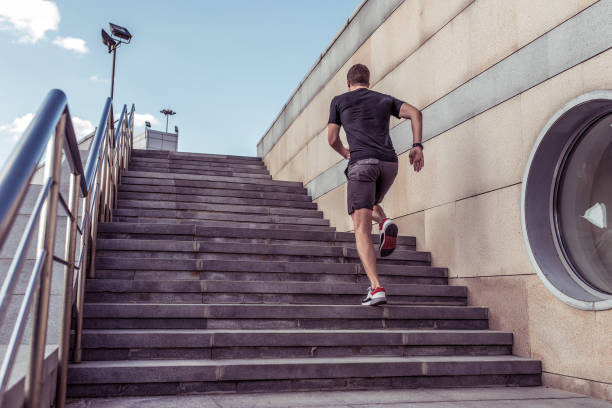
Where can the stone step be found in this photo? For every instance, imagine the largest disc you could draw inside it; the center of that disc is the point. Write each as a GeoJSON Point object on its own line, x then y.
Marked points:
{"type": "Point", "coordinates": [158, 377]}
{"type": "Point", "coordinates": [258, 167]}
{"type": "Point", "coordinates": [211, 192]}
{"type": "Point", "coordinates": [272, 316]}
{"type": "Point", "coordinates": [195, 177]}
{"type": "Point", "coordinates": [217, 251]}
{"type": "Point", "coordinates": [213, 184]}
{"type": "Point", "coordinates": [271, 267]}
{"type": "Point", "coordinates": [219, 172]}
{"type": "Point", "coordinates": [204, 291]}
{"type": "Point", "coordinates": [191, 232]}
{"type": "Point", "coordinates": [191, 198]}
{"type": "Point", "coordinates": [141, 179]}
{"type": "Point", "coordinates": [233, 270]}
{"type": "Point", "coordinates": [228, 344]}
{"type": "Point", "coordinates": [222, 158]}
{"type": "Point", "coordinates": [236, 218]}
{"type": "Point", "coordinates": [214, 223]}
{"type": "Point", "coordinates": [219, 208]}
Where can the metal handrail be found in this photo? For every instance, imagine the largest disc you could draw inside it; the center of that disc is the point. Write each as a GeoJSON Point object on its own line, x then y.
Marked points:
{"type": "Point", "coordinates": [95, 186]}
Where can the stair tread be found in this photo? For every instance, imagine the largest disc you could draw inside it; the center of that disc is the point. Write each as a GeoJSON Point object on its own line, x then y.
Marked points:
{"type": "Point", "coordinates": [301, 361]}
{"type": "Point", "coordinates": [124, 285]}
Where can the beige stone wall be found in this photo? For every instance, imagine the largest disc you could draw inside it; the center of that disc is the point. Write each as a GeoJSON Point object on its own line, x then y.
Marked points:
{"type": "Point", "coordinates": [464, 206]}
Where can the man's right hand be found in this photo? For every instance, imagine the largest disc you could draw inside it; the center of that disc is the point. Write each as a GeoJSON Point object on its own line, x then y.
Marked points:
{"type": "Point", "coordinates": [416, 158]}
{"type": "Point", "coordinates": [347, 154]}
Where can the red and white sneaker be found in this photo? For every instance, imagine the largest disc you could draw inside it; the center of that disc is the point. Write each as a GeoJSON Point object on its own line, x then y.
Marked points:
{"type": "Point", "coordinates": [375, 297]}
{"type": "Point", "coordinates": [388, 237]}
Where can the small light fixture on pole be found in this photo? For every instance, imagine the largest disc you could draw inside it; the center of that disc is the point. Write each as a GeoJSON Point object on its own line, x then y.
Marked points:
{"type": "Point", "coordinates": [122, 36]}
{"type": "Point", "coordinates": [167, 112]}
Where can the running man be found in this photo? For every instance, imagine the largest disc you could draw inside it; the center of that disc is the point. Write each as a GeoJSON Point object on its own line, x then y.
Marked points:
{"type": "Point", "coordinates": [372, 167]}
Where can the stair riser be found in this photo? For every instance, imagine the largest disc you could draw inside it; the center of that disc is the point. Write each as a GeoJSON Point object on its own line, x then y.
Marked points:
{"type": "Point", "coordinates": [267, 298]}
{"type": "Point", "coordinates": [248, 257]}
{"type": "Point", "coordinates": [209, 192]}
{"type": "Point", "coordinates": [200, 247]}
{"type": "Point", "coordinates": [178, 167]}
{"type": "Point", "coordinates": [220, 158]}
{"type": "Point", "coordinates": [172, 216]}
{"type": "Point", "coordinates": [182, 198]}
{"type": "Point", "coordinates": [195, 165]}
{"type": "Point", "coordinates": [154, 177]}
{"type": "Point", "coordinates": [221, 224]}
{"type": "Point", "coordinates": [193, 232]}
{"type": "Point", "coordinates": [177, 388]}
{"type": "Point", "coordinates": [271, 324]}
{"type": "Point", "coordinates": [217, 185]}
{"type": "Point", "coordinates": [264, 276]}
{"type": "Point", "coordinates": [222, 173]}
{"type": "Point", "coordinates": [239, 240]}
{"type": "Point", "coordinates": [144, 353]}
{"type": "Point", "coordinates": [163, 206]}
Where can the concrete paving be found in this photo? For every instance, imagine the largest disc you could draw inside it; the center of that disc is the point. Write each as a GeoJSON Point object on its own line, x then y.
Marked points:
{"type": "Point", "coordinates": [535, 397]}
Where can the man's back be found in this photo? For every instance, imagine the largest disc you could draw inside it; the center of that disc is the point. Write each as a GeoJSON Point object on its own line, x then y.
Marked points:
{"type": "Point", "coordinates": [365, 115]}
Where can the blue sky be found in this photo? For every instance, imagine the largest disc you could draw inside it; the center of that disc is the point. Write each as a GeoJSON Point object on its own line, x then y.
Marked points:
{"type": "Point", "coordinates": [226, 68]}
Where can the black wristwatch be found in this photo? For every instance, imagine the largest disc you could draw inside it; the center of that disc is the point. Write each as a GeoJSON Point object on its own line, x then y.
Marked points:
{"type": "Point", "coordinates": [417, 145]}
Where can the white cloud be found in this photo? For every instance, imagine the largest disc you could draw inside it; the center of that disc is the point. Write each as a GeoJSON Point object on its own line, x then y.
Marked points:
{"type": "Point", "coordinates": [31, 19]}
{"type": "Point", "coordinates": [17, 126]}
{"type": "Point", "coordinates": [82, 127]}
{"type": "Point", "coordinates": [72, 44]}
{"type": "Point", "coordinates": [140, 118]}
{"type": "Point", "coordinates": [96, 78]}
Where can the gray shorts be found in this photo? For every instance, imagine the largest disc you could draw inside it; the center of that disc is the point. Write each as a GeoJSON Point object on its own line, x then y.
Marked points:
{"type": "Point", "coordinates": [368, 182]}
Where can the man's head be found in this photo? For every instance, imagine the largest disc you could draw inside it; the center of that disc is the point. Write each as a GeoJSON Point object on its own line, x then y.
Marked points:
{"type": "Point", "coordinates": [358, 76]}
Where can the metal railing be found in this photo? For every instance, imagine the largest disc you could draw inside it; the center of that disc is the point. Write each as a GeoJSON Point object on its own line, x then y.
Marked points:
{"type": "Point", "coordinates": [92, 193]}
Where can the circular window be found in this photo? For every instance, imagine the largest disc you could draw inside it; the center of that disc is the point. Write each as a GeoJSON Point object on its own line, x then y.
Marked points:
{"type": "Point", "coordinates": [584, 197]}
{"type": "Point", "coordinates": [566, 200]}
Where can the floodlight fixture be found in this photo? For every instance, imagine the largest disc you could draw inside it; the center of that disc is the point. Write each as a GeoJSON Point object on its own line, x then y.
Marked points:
{"type": "Point", "coordinates": [147, 124]}
{"type": "Point", "coordinates": [108, 41]}
{"type": "Point", "coordinates": [120, 32]}
{"type": "Point", "coordinates": [167, 112]}
{"type": "Point", "coordinates": [122, 36]}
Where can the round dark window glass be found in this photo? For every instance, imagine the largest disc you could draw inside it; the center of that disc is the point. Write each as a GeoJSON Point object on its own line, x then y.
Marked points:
{"type": "Point", "coordinates": [584, 202]}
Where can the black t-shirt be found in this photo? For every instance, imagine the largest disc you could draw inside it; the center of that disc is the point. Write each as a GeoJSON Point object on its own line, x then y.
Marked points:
{"type": "Point", "coordinates": [365, 116]}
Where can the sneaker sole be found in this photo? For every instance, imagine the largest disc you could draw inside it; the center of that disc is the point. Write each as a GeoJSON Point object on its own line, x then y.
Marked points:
{"type": "Point", "coordinates": [375, 302]}
{"type": "Point", "coordinates": [389, 240]}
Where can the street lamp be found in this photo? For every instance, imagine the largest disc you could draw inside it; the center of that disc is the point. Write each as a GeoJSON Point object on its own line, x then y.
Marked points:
{"type": "Point", "coordinates": [167, 112]}
{"type": "Point", "coordinates": [122, 36]}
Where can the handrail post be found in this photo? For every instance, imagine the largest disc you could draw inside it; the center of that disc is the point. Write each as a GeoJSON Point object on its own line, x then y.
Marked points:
{"type": "Point", "coordinates": [46, 242]}
{"type": "Point", "coordinates": [64, 344]}
{"type": "Point", "coordinates": [81, 277]}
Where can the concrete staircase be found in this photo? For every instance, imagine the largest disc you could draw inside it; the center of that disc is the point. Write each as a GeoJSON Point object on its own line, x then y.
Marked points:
{"type": "Point", "coordinates": [215, 278]}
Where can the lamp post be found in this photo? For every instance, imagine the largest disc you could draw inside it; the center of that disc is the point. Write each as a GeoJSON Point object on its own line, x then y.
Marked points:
{"type": "Point", "coordinates": [122, 36]}
{"type": "Point", "coordinates": [167, 112]}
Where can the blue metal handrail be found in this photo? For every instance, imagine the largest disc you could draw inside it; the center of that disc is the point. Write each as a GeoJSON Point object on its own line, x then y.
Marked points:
{"type": "Point", "coordinates": [95, 185]}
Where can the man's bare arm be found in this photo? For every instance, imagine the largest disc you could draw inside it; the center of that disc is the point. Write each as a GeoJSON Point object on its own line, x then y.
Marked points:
{"type": "Point", "coordinates": [333, 137]}
{"type": "Point", "coordinates": [408, 111]}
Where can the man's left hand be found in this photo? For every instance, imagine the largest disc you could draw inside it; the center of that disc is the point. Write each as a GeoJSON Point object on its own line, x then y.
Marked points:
{"type": "Point", "coordinates": [416, 158]}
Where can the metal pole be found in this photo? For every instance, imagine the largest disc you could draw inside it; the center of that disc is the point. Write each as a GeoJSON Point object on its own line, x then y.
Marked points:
{"type": "Point", "coordinates": [167, 123]}
{"type": "Point", "coordinates": [113, 75]}
{"type": "Point", "coordinates": [46, 242]}
{"type": "Point", "coordinates": [64, 344]}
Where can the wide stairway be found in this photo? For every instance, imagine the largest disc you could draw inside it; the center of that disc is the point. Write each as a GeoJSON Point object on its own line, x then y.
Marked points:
{"type": "Point", "coordinates": [213, 277]}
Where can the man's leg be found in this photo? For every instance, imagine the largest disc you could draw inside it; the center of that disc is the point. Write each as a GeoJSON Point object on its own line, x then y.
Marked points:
{"type": "Point", "coordinates": [378, 214]}
{"type": "Point", "coordinates": [362, 220]}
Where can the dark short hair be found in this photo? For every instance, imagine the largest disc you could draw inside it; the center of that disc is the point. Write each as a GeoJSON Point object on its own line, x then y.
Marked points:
{"type": "Point", "coordinates": [358, 74]}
